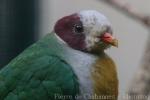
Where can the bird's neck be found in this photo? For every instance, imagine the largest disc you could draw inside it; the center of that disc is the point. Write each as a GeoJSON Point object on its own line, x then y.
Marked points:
{"type": "Point", "coordinates": [105, 77]}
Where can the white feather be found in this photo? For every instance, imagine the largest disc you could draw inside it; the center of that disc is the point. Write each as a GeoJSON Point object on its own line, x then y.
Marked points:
{"type": "Point", "coordinates": [82, 64]}
{"type": "Point", "coordinates": [94, 24]}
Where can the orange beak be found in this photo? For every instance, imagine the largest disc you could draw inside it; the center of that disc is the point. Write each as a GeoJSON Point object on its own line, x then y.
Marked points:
{"type": "Point", "coordinates": [109, 39]}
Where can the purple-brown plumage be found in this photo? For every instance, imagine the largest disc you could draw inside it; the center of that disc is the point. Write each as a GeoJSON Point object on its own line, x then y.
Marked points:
{"type": "Point", "coordinates": [70, 29]}
{"type": "Point", "coordinates": [85, 31]}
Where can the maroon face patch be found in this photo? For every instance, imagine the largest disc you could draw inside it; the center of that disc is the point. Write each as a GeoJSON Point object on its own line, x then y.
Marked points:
{"type": "Point", "coordinates": [70, 29]}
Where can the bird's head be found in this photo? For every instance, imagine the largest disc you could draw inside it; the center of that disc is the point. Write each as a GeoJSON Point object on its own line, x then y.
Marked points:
{"type": "Point", "coordinates": [88, 31]}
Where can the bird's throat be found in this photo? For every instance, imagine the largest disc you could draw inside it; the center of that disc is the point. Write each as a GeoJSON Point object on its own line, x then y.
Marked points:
{"type": "Point", "coordinates": [105, 78]}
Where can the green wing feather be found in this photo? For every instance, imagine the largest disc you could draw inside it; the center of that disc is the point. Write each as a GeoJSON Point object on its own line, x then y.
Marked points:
{"type": "Point", "coordinates": [38, 74]}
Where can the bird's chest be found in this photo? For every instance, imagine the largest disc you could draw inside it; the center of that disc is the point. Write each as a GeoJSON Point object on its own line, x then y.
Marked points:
{"type": "Point", "coordinates": [104, 78]}
{"type": "Point", "coordinates": [95, 75]}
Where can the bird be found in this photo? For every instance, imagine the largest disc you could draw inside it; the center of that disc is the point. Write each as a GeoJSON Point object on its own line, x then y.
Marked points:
{"type": "Point", "coordinates": [68, 63]}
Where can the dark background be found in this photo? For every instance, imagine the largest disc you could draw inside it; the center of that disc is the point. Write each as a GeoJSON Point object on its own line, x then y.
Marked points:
{"type": "Point", "coordinates": [18, 27]}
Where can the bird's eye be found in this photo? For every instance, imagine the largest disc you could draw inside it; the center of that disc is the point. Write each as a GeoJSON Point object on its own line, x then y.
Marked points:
{"type": "Point", "coordinates": [78, 28]}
